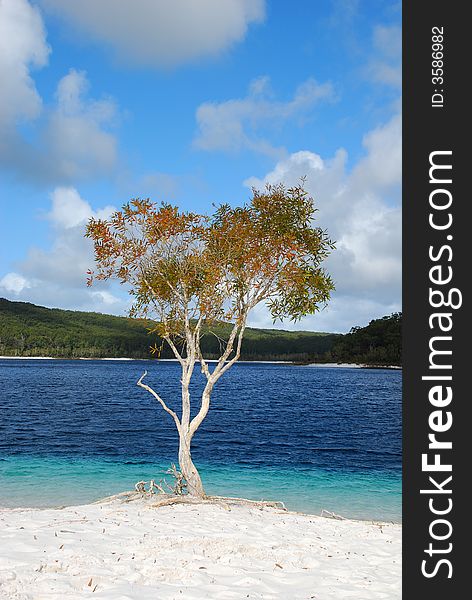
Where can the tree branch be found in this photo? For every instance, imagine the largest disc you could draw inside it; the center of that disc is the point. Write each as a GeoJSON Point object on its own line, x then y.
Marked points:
{"type": "Point", "coordinates": [237, 354]}
{"type": "Point", "coordinates": [238, 330]}
{"type": "Point", "coordinates": [174, 349]}
{"type": "Point", "coordinates": [187, 371]}
{"type": "Point", "coordinates": [159, 399]}
{"type": "Point", "coordinates": [220, 368]}
{"type": "Point", "coordinates": [203, 364]}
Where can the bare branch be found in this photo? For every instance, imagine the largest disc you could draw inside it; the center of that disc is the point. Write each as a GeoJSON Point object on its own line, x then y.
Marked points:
{"type": "Point", "coordinates": [235, 358]}
{"type": "Point", "coordinates": [199, 356]}
{"type": "Point", "coordinates": [203, 364]}
{"type": "Point", "coordinates": [238, 330]}
{"type": "Point", "coordinates": [221, 341]}
{"type": "Point", "coordinates": [229, 346]}
{"type": "Point", "coordinates": [222, 366]}
{"type": "Point", "coordinates": [174, 349]}
{"type": "Point", "coordinates": [202, 413]}
{"type": "Point", "coordinates": [159, 399]}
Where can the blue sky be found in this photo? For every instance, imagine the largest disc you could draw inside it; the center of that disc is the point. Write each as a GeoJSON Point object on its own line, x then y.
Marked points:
{"type": "Point", "coordinates": [194, 102]}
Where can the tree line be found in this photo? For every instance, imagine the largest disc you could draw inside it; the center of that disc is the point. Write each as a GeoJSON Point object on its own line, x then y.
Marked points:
{"type": "Point", "coordinates": [30, 330]}
{"type": "Point", "coordinates": [379, 343]}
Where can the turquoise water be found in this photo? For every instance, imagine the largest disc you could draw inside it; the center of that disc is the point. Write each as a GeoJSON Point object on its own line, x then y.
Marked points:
{"type": "Point", "coordinates": [72, 432]}
{"type": "Point", "coordinates": [43, 482]}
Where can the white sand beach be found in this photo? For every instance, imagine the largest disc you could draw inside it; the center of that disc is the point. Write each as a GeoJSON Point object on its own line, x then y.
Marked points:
{"type": "Point", "coordinates": [119, 551]}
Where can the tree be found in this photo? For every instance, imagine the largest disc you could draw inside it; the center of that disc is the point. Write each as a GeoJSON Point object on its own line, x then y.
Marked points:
{"type": "Point", "coordinates": [189, 271]}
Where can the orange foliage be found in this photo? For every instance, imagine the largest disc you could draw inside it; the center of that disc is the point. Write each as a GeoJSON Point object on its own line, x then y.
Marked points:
{"type": "Point", "coordinates": [184, 267]}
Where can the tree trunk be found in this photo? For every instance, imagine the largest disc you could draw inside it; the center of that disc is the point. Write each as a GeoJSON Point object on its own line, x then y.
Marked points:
{"type": "Point", "coordinates": [188, 469]}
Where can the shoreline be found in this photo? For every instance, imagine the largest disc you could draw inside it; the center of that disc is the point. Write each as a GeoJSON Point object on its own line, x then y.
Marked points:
{"type": "Point", "coordinates": [222, 551]}
{"type": "Point", "coordinates": [328, 513]}
{"type": "Point", "coordinates": [211, 360]}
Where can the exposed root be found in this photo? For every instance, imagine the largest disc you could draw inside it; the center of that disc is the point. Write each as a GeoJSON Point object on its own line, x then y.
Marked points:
{"type": "Point", "coordinates": [222, 501]}
{"type": "Point", "coordinates": [123, 496]}
{"type": "Point", "coordinates": [258, 503]}
{"type": "Point", "coordinates": [140, 487]}
{"type": "Point", "coordinates": [168, 499]}
{"type": "Point", "coordinates": [167, 495]}
{"type": "Point", "coordinates": [180, 485]}
{"type": "Point", "coordinates": [179, 488]}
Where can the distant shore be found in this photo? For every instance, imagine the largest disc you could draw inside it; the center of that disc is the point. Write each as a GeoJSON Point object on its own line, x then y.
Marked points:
{"type": "Point", "coordinates": [208, 360]}
{"type": "Point", "coordinates": [268, 362]}
{"type": "Point", "coordinates": [353, 366]}
{"type": "Point", "coordinates": [117, 549]}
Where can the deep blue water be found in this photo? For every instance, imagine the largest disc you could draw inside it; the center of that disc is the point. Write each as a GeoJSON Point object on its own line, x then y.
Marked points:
{"type": "Point", "coordinates": [74, 431]}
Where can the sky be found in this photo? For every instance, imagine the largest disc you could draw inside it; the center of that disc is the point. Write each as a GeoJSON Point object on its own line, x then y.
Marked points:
{"type": "Point", "coordinates": [195, 103]}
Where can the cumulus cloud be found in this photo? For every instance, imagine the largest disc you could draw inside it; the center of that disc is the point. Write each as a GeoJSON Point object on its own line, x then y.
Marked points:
{"type": "Point", "coordinates": [342, 313]}
{"type": "Point", "coordinates": [67, 261]}
{"type": "Point", "coordinates": [360, 208]}
{"type": "Point", "coordinates": [57, 276]}
{"type": "Point", "coordinates": [161, 32]}
{"type": "Point", "coordinates": [70, 210]}
{"type": "Point", "coordinates": [73, 140]}
{"type": "Point", "coordinates": [382, 165]}
{"type": "Point", "coordinates": [234, 125]}
{"type": "Point", "coordinates": [14, 283]}
{"type": "Point", "coordinates": [106, 298]}
{"type": "Point", "coordinates": [68, 140]}
{"type": "Point", "coordinates": [22, 46]}
{"type": "Point", "coordinates": [76, 136]}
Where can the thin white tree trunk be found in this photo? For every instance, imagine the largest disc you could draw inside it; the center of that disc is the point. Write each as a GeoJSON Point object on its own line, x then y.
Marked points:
{"type": "Point", "coordinates": [186, 426]}
{"type": "Point", "coordinates": [188, 469]}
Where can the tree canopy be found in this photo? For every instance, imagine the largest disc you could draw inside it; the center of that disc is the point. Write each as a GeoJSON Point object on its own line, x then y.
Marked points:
{"type": "Point", "coordinates": [186, 268]}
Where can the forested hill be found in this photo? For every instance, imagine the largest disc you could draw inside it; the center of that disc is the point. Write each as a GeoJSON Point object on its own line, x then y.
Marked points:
{"type": "Point", "coordinates": [379, 343]}
{"type": "Point", "coordinates": [29, 330]}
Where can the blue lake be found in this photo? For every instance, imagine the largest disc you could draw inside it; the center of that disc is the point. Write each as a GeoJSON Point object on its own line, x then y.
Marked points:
{"type": "Point", "coordinates": [76, 431]}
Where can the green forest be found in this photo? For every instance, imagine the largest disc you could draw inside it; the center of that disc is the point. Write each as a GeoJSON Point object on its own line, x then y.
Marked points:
{"type": "Point", "coordinates": [379, 343]}
{"type": "Point", "coordinates": [30, 330]}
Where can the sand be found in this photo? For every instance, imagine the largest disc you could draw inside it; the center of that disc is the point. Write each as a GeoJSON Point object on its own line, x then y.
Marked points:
{"type": "Point", "coordinates": [116, 551]}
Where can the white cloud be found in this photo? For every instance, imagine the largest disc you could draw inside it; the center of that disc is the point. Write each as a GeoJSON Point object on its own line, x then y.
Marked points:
{"type": "Point", "coordinates": [105, 297]}
{"type": "Point", "coordinates": [77, 141]}
{"type": "Point", "coordinates": [22, 46]}
{"type": "Point", "coordinates": [382, 165]}
{"type": "Point", "coordinates": [342, 313]}
{"type": "Point", "coordinates": [161, 32]}
{"type": "Point", "coordinates": [345, 312]}
{"type": "Point", "coordinates": [57, 276]}
{"type": "Point", "coordinates": [233, 125]}
{"type": "Point", "coordinates": [361, 211]}
{"type": "Point", "coordinates": [386, 68]}
{"type": "Point", "coordinates": [14, 283]}
{"type": "Point", "coordinates": [67, 141]}
{"type": "Point", "coordinates": [69, 209]}
{"type": "Point", "coordinates": [72, 140]}
{"type": "Point", "coordinates": [70, 255]}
